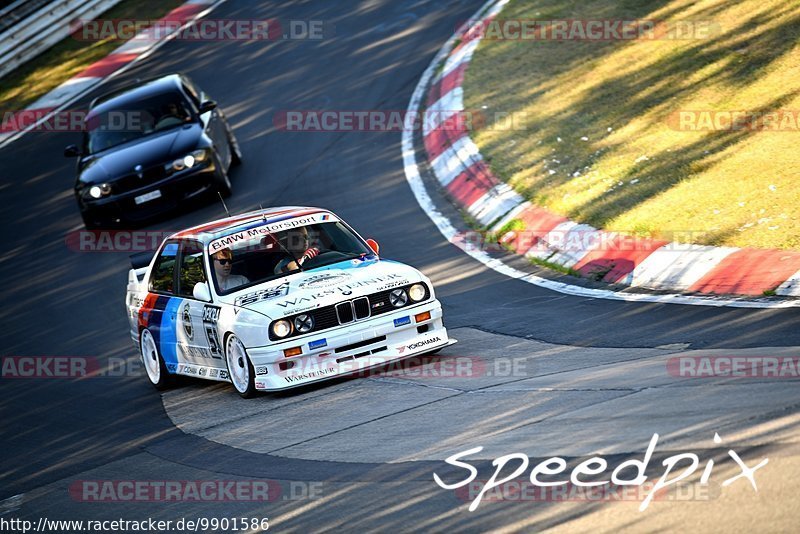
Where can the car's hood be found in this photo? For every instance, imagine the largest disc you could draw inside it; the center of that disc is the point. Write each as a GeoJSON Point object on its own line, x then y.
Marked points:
{"type": "Point", "coordinates": [324, 286]}
{"type": "Point", "coordinates": [153, 150]}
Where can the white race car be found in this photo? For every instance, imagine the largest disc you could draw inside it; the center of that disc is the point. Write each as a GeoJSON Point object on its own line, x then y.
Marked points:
{"type": "Point", "coordinates": [277, 298]}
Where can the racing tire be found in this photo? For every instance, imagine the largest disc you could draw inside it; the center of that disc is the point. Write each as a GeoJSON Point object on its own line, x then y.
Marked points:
{"type": "Point", "coordinates": [240, 369]}
{"type": "Point", "coordinates": [236, 152]}
{"type": "Point", "coordinates": [88, 222]}
{"type": "Point", "coordinates": [154, 365]}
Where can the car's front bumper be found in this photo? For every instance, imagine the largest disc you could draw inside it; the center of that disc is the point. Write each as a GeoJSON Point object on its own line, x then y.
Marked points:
{"type": "Point", "coordinates": [122, 208]}
{"type": "Point", "coordinates": [352, 348]}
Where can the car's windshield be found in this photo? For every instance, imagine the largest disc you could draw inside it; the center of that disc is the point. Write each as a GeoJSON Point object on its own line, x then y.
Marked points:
{"type": "Point", "coordinates": [134, 120]}
{"type": "Point", "coordinates": [253, 256]}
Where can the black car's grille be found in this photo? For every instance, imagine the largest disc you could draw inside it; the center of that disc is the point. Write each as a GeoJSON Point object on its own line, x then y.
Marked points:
{"type": "Point", "coordinates": [351, 310]}
{"type": "Point", "coordinates": [130, 182]}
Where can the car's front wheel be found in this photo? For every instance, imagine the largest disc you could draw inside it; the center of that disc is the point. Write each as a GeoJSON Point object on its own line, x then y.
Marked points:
{"type": "Point", "coordinates": [236, 152]}
{"type": "Point", "coordinates": [240, 370]}
{"type": "Point", "coordinates": [153, 362]}
{"type": "Point", "coordinates": [222, 182]}
{"type": "Point", "coordinates": [89, 222]}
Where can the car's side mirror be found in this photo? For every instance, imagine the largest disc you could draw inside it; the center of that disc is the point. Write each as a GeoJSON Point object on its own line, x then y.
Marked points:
{"type": "Point", "coordinates": [71, 151]}
{"type": "Point", "coordinates": [201, 292]}
{"type": "Point", "coordinates": [207, 106]}
{"type": "Point", "coordinates": [374, 246]}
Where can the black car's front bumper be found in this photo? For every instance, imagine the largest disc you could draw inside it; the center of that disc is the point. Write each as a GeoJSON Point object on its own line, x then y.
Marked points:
{"type": "Point", "coordinates": [122, 208]}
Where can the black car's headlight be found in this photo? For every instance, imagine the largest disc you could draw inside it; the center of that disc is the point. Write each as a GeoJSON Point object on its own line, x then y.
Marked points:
{"type": "Point", "coordinates": [189, 160]}
{"type": "Point", "coordinates": [96, 191]}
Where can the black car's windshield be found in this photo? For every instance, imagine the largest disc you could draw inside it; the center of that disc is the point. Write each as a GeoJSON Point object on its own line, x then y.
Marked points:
{"type": "Point", "coordinates": [134, 120]}
{"type": "Point", "coordinates": [254, 256]}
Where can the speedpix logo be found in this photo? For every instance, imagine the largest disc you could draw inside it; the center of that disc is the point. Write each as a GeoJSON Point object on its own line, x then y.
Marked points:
{"type": "Point", "coordinates": [419, 344]}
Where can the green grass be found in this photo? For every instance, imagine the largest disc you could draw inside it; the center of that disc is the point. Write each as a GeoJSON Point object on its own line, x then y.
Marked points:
{"type": "Point", "coordinates": [635, 172]}
{"type": "Point", "coordinates": [555, 267]}
{"type": "Point", "coordinates": [70, 56]}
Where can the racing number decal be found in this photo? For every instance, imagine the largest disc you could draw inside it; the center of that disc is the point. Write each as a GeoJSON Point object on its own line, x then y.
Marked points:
{"type": "Point", "coordinates": [210, 318]}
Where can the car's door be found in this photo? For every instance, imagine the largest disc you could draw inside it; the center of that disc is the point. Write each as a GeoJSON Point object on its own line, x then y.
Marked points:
{"type": "Point", "coordinates": [160, 309]}
{"type": "Point", "coordinates": [198, 340]}
{"type": "Point", "coordinates": [213, 122]}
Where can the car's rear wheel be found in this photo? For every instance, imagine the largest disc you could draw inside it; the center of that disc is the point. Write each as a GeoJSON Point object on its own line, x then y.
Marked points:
{"type": "Point", "coordinates": [153, 362]}
{"type": "Point", "coordinates": [240, 370]}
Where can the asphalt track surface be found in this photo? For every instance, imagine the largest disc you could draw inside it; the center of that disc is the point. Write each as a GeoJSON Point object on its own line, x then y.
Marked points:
{"type": "Point", "coordinates": [57, 302]}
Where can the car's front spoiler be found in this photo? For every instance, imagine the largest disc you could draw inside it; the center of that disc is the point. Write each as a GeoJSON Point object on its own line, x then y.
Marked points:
{"type": "Point", "coordinates": [361, 370]}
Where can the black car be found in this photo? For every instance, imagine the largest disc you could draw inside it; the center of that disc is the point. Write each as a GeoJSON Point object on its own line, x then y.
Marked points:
{"type": "Point", "coordinates": [149, 147]}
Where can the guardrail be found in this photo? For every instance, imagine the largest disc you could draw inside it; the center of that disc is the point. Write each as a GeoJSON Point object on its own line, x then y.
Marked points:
{"type": "Point", "coordinates": [32, 26]}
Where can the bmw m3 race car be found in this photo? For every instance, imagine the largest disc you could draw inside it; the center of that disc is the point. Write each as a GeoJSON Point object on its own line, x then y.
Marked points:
{"type": "Point", "coordinates": [275, 299]}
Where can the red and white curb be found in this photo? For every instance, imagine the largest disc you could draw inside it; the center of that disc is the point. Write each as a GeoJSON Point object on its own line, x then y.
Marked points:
{"type": "Point", "coordinates": [459, 167]}
{"type": "Point", "coordinates": [117, 62]}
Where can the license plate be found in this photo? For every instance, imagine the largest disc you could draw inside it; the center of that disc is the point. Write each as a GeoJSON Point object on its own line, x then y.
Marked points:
{"type": "Point", "coordinates": [147, 197]}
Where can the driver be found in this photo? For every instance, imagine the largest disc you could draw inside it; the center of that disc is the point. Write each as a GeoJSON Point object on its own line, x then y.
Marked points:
{"type": "Point", "coordinates": [296, 241]}
{"type": "Point", "coordinates": [172, 114]}
{"type": "Point", "coordinates": [223, 263]}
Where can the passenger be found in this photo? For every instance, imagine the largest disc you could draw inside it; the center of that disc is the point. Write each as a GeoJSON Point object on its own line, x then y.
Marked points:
{"type": "Point", "coordinates": [223, 263]}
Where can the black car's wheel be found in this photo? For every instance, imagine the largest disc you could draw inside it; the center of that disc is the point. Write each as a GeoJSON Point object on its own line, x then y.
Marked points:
{"type": "Point", "coordinates": [89, 222]}
{"type": "Point", "coordinates": [236, 152]}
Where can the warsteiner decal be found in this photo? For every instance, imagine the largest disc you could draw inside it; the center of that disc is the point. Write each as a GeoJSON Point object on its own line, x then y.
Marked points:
{"type": "Point", "coordinates": [312, 374]}
{"type": "Point", "coordinates": [345, 289]}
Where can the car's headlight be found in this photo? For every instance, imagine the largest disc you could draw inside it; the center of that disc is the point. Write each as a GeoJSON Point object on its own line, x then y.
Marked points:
{"type": "Point", "coordinates": [416, 292]}
{"type": "Point", "coordinates": [304, 323]}
{"type": "Point", "coordinates": [281, 328]}
{"type": "Point", "coordinates": [98, 191]}
{"type": "Point", "coordinates": [398, 298]}
{"type": "Point", "coordinates": [189, 160]}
